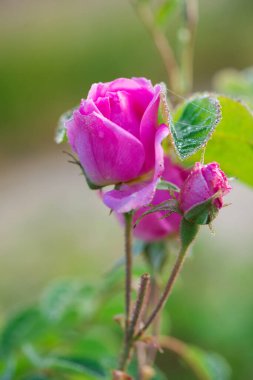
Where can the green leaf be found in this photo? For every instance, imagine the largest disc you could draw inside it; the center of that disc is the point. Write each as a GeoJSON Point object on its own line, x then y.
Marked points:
{"type": "Point", "coordinates": [236, 83]}
{"type": "Point", "coordinates": [80, 365]}
{"type": "Point", "coordinates": [60, 134]}
{"type": "Point", "coordinates": [166, 185]}
{"type": "Point", "coordinates": [209, 366]}
{"type": "Point", "coordinates": [21, 328]}
{"type": "Point", "coordinates": [58, 298]}
{"type": "Point", "coordinates": [75, 364]}
{"type": "Point", "coordinates": [8, 369]}
{"type": "Point", "coordinates": [194, 123]}
{"type": "Point", "coordinates": [67, 296]}
{"type": "Point", "coordinates": [232, 143]}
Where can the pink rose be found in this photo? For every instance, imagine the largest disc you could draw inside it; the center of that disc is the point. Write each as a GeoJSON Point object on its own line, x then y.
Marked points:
{"type": "Point", "coordinates": [154, 226]}
{"type": "Point", "coordinates": [202, 184]}
{"type": "Point", "coordinates": [117, 138]}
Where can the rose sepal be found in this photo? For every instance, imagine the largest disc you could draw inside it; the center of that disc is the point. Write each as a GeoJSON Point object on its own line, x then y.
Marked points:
{"type": "Point", "coordinates": [203, 213]}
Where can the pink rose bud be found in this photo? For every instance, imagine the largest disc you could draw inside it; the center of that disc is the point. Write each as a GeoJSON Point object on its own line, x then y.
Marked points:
{"type": "Point", "coordinates": [156, 226]}
{"type": "Point", "coordinates": [117, 138]}
{"type": "Point", "coordinates": [203, 191]}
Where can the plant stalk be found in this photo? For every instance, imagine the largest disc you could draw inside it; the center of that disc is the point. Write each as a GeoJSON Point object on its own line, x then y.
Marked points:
{"type": "Point", "coordinates": [135, 318]}
{"type": "Point", "coordinates": [167, 291]}
{"type": "Point", "coordinates": [128, 257]}
{"type": "Point", "coordinates": [162, 44]}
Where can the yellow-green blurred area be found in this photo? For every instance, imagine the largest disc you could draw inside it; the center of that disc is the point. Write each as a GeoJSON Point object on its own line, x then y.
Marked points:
{"type": "Point", "coordinates": [51, 225]}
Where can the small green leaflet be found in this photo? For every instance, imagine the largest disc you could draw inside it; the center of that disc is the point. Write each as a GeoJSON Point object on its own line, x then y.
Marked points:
{"type": "Point", "coordinates": [194, 123]}
{"type": "Point", "coordinates": [60, 134]}
{"type": "Point", "coordinates": [167, 185]}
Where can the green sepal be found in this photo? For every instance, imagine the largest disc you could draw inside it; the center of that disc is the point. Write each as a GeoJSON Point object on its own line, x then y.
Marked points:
{"type": "Point", "coordinates": [60, 133]}
{"type": "Point", "coordinates": [167, 185]}
{"type": "Point", "coordinates": [171, 206]}
{"type": "Point", "coordinates": [188, 232]}
{"type": "Point", "coordinates": [204, 212]}
{"type": "Point", "coordinates": [91, 185]}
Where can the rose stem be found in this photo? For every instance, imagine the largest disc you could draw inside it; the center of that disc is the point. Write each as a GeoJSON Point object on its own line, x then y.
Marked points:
{"type": "Point", "coordinates": [171, 281]}
{"type": "Point", "coordinates": [162, 44]}
{"type": "Point", "coordinates": [190, 17]}
{"type": "Point", "coordinates": [128, 257]}
{"type": "Point", "coordinates": [136, 316]}
{"type": "Point", "coordinates": [188, 232]}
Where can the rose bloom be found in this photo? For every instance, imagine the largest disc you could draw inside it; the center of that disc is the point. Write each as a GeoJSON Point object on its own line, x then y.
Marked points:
{"type": "Point", "coordinates": [155, 226]}
{"type": "Point", "coordinates": [117, 138]}
{"type": "Point", "coordinates": [204, 182]}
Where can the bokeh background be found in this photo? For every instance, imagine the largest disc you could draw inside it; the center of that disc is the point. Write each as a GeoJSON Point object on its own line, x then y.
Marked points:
{"type": "Point", "coordinates": [51, 225]}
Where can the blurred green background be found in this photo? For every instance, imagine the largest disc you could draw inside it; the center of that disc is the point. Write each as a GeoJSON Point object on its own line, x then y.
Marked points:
{"type": "Point", "coordinates": [50, 224]}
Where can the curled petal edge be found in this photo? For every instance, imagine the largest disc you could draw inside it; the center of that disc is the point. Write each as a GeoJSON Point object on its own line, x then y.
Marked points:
{"type": "Point", "coordinates": [133, 196]}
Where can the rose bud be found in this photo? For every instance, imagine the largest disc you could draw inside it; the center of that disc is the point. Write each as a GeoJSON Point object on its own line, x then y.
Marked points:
{"type": "Point", "coordinates": [157, 226]}
{"type": "Point", "coordinates": [117, 138]}
{"type": "Point", "coordinates": [202, 193]}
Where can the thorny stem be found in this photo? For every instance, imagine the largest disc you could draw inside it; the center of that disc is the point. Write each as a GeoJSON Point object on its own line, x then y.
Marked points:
{"type": "Point", "coordinates": [161, 42]}
{"type": "Point", "coordinates": [136, 316]}
{"type": "Point", "coordinates": [174, 274]}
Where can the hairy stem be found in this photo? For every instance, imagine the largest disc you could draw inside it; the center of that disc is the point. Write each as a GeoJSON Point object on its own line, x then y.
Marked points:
{"type": "Point", "coordinates": [161, 42]}
{"type": "Point", "coordinates": [151, 351]}
{"type": "Point", "coordinates": [136, 316]}
{"type": "Point", "coordinates": [128, 257]}
{"type": "Point", "coordinates": [171, 281]}
{"type": "Point", "coordinates": [190, 18]}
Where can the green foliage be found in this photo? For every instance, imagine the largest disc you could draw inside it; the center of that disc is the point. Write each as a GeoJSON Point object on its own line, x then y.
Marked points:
{"type": "Point", "coordinates": [194, 123]}
{"type": "Point", "coordinates": [57, 336]}
{"type": "Point", "coordinates": [235, 83]}
{"type": "Point", "coordinates": [208, 366]}
{"type": "Point", "coordinates": [60, 134]}
{"type": "Point", "coordinates": [21, 328]}
{"type": "Point", "coordinates": [232, 143]}
{"type": "Point", "coordinates": [66, 297]}
{"type": "Point", "coordinates": [227, 140]}
{"type": "Point", "coordinates": [72, 364]}
{"type": "Point", "coordinates": [71, 334]}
